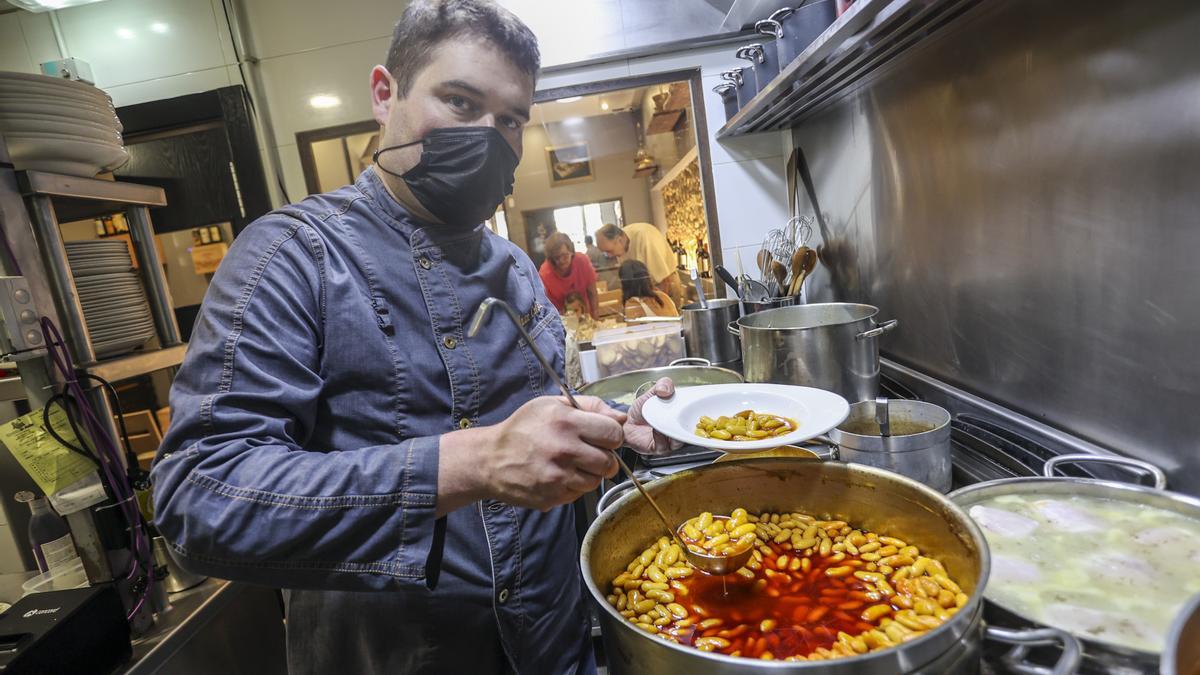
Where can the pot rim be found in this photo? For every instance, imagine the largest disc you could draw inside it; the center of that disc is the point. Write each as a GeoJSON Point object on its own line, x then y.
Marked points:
{"type": "Point", "coordinates": [938, 434]}
{"type": "Point", "coordinates": [1107, 489]}
{"type": "Point", "coordinates": [646, 371]}
{"type": "Point", "coordinates": [973, 609]}
{"type": "Point", "coordinates": [871, 312]}
{"type": "Point", "coordinates": [1170, 655]}
{"type": "Point", "coordinates": [714, 304]}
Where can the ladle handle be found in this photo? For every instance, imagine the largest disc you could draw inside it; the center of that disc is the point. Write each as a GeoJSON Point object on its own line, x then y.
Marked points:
{"type": "Point", "coordinates": [882, 417]}
{"type": "Point", "coordinates": [638, 484]}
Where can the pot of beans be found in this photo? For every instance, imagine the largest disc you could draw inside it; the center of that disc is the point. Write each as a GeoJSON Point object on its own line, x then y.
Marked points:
{"type": "Point", "coordinates": [853, 569]}
{"type": "Point", "coordinates": [1112, 563]}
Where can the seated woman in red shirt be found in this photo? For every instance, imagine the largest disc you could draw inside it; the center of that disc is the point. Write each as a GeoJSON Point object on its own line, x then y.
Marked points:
{"type": "Point", "coordinates": [565, 272]}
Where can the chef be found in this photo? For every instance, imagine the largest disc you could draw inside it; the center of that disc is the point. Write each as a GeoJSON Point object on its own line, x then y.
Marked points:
{"type": "Point", "coordinates": [336, 433]}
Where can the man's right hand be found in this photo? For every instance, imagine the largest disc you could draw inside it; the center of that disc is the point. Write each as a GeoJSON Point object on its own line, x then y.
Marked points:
{"type": "Point", "coordinates": [544, 455]}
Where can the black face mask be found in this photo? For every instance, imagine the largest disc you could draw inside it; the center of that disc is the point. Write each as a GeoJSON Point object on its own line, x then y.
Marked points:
{"type": "Point", "coordinates": [463, 174]}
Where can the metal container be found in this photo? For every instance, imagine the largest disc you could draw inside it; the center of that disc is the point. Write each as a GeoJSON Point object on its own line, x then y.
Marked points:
{"type": "Point", "coordinates": [795, 28]}
{"type": "Point", "coordinates": [764, 62]}
{"type": "Point", "coordinates": [743, 81]}
{"type": "Point", "coordinates": [923, 456]}
{"type": "Point", "coordinates": [829, 346]}
{"type": "Point", "coordinates": [866, 496]}
{"type": "Point", "coordinates": [728, 93]}
{"type": "Point", "coordinates": [178, 579]}
{"type": "Point", "coordinates": [704, 330]}
{"type": "Point", "coordinates": [1099, 657]}
{"type": "Point", "coordinates": [749, 307]}
{"type": "Point", "coordinates": [1182, 655]}
{"type": "Point", "coordinates": [687, 372]}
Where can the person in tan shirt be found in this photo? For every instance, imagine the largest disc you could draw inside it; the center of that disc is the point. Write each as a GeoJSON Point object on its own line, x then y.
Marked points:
{"type": "Point", "coordinates": [646, 244]}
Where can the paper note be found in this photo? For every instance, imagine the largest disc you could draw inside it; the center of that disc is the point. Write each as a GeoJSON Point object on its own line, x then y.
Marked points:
{"type": "Point", "coordinates": [52, 465]}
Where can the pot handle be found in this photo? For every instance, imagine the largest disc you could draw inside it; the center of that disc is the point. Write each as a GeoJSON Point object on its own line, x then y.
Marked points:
{"type": "Point", "coordinates": [769, 27]}
{"type": "Point", "coordinates": [1068, 663]}
{"type": "Point", "coordinates": [1160, 478]}
{"type": "Point", "coordinates": [734, 329]}
{"type": "Point", "coordinates": [690, 360]}
{"type": "Point", "coordinates": [882, 328]}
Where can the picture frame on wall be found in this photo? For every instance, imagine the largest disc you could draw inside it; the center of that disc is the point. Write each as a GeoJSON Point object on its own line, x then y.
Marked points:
{"type": "Point", "coordinates": [569, 164]}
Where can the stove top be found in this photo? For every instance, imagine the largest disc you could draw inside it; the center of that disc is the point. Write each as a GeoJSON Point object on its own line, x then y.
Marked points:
{"type": "Point", "coordinates": [988, 442]}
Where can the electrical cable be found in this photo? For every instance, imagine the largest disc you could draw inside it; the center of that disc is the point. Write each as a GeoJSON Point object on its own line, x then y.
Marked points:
{"type": "Point", "coordinates": [112, 471]}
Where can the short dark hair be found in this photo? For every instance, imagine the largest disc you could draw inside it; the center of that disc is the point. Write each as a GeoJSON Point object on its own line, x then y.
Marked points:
{"type": "Point", "coordinates": [587, 239]}
{"type": "Point", "coordinates": [426, 24]}
{"type": "Point", "coordinates": [610, 232]}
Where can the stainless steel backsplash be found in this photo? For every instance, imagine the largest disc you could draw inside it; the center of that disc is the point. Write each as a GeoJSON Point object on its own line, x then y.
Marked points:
{"type": "Point", "coordinates": [1024, 195]}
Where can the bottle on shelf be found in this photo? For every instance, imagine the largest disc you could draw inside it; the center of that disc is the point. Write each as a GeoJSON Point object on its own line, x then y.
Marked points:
{"type": "Point", "coordinates": [49, 535]}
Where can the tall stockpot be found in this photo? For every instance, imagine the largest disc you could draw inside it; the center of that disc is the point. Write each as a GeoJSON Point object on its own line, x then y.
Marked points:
{"type": "Point", "coordinates": [831, 346]}
{"type": "Point", "coordinates": [704, 330]}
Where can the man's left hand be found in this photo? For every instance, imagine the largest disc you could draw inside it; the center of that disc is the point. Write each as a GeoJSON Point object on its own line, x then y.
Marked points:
{"type": "Point", "coordinates": [641, 436]}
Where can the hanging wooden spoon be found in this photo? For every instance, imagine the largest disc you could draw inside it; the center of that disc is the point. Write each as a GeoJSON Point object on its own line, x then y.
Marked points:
{"type": "Point", "coordinates": [804, 261]}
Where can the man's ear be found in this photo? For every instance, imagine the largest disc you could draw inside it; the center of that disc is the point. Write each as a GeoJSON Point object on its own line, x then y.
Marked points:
{"type": "Point", "coordinates": [382, 88]}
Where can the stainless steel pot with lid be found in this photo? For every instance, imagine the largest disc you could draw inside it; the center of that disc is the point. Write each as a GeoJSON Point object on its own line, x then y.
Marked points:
{"type": "Point", "coordinates": [1099, 656]}
{"type": "Point", "coordinates": [865, 496]}
{"type": "Point", "coordinates": [829, 346]}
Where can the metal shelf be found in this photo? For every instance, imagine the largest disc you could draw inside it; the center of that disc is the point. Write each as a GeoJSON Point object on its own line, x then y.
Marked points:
{"type": "Point", "coordinates": [138, 363]}
{"type": "Point", "coordinates": [870, 35]}
{"type": "Point", "coordinates": [76, 198]}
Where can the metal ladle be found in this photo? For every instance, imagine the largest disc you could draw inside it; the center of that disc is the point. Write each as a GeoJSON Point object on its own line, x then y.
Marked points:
{"type": "Point", "coordinates": [711, 564]}
{"type": "Point", "coordinates": [882, 417]}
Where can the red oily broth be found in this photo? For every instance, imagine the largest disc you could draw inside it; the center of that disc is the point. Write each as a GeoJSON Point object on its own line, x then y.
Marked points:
{"type": "Point", "coordinates": [808, 608]}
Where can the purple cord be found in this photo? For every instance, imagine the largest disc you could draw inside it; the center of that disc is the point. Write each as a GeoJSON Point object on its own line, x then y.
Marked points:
{"type": "Point", "coordinates": [110, 460]}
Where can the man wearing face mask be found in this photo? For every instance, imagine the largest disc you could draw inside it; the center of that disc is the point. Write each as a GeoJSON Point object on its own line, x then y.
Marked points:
{"type": "Point", "coordinates": [335, 431]}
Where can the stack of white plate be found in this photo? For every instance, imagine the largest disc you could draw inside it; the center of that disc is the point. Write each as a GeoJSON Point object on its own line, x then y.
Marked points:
{"type": "Point", "coordinates": [60, 126]}
{"type": "Point", "coordinates": [110, 290]}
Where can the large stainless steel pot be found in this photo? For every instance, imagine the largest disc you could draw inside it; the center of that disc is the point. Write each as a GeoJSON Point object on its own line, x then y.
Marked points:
{"type": "Point", "coordinates": [687, 372]}
{"type": "Point", "coordinates": [704, 330]}
{"type": "Point", "coordinates": [1099, 657]}
{"type": "Point", "coordinates": [923, 456]}
{"type": "Point", "coordinates": [830, 346]}
{"type": "Point", "coordinates": [866, 496]}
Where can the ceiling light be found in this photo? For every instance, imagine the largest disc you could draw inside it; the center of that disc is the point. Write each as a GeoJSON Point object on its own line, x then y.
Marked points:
{"type": "Point", "coordinates": [570, 99]}
{"type": "Point", "coordinates": [604, 105]}
{"type": "Point", "coordinates": [47, 5]}
{"type": "Point", "coordinates": [159, 27]}
{"type": "Point", "coordinates": [125, 34]}
{"type": "Point", "coordinates": [321, 101]}
{"type": "Point", "coordinates": [573, 121]}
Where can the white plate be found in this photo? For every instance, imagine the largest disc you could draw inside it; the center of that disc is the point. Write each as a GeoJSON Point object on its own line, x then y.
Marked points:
{"type": "Point", "coordinates": [56, 153]}
{"type": "Point", "coordinates": [51, 84]}
{"type": "Point", "coordinates": [815, 411]}
{"type": "Point", "coordinates": [51, 109]}
{"type": "Point", "coordinates": [59, 125]}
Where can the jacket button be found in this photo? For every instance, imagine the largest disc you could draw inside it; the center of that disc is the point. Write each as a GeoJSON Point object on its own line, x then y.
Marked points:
{"type": "Point", "coordinates": [464, 423]}
{"type": "Point", "coordinates": [449, 342]}
{"type": "Point", "coordinates": [503, 597]}
{"type": "Point", "coordinates": [424, 262]}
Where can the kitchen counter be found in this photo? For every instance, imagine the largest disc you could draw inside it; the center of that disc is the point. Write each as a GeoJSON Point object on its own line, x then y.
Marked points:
{"type": "Point", "coordinates": [217, 626]}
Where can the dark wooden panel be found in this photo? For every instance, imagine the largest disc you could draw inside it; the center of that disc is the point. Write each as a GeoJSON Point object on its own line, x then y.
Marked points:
{"type": "Point", "coordinates": [193, 167]}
